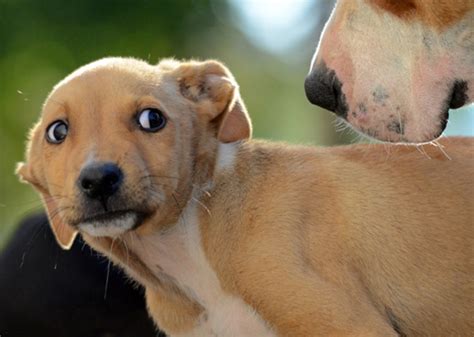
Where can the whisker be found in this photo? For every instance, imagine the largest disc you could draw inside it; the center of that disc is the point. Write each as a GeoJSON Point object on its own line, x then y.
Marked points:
{"type": "Point", "coordinates": [437, 144]}
{"type": "Point", "coordinates": [37, 201]}
{"type": "Point", "coordinates": [201, 189]}
{"type": "Point", "coordinates": [107, 280]}
{"type": "Point", "coordinates": [108, 270]}
{"type": "Point", "coordinates": [421, 149]}
{"type": "Point", "coordinates": [155, 184]}
{"type": "Point", "coordinates": [126, 249]}
{"type": "Point", "coordinates": [202, 205]}
{"type": "Point", "coordinates": [177, 204]}
{"type": "Point", "coordinates": [40, 228]}
{"type": "Point", "coordinates": [156, 176]}
{"type": "Point", "coordinates": [58, 210]}
{"type": "Point", "coordinates": [130, 234]}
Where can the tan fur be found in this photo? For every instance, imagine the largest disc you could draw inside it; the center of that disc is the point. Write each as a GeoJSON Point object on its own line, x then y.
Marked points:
{"type": "Point", "coordinates": [348, 241]}
{"type": "Point", "coordinates": [438, 14]}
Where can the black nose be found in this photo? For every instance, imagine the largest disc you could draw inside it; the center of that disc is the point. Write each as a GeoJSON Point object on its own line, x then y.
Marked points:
{"type": "Point", "coordinates": [458, 94]}
{"type": "Point", "coordinates": [100, 180]}
{"type": "Point", "coordinates": [323, 88]}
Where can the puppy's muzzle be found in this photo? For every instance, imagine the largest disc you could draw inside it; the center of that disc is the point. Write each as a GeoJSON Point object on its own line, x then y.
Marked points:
{"type": "Point", "coordinates": [100, 181]}
{"type": "Point", "coordinates": [106, 209]}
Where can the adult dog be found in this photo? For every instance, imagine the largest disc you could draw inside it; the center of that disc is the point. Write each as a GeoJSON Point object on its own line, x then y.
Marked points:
{"type": "Point", "coordinates": [392, 69]}
{"type": "Point", "coordinates": [231, 237]}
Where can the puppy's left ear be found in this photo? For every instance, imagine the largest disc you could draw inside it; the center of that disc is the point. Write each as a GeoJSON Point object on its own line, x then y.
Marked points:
{"type": "Point", "coordinates": [64, 234]}
{"type": "Point", "coordinates": [215, 94]}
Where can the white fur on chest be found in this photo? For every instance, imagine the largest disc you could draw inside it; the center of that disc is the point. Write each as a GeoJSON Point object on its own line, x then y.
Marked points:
{"type": "Point", "coordinates": [178, 255]}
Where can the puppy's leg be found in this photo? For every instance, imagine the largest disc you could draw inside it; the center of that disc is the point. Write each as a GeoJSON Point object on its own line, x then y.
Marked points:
{"type": "Point", "coordinates": [300, 303]}
{"type": "Point", "coordinates": [176, 314]}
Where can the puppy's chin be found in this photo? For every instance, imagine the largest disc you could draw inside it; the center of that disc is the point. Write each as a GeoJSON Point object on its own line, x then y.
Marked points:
{"type": "Point", "coordinates": [111, 225]}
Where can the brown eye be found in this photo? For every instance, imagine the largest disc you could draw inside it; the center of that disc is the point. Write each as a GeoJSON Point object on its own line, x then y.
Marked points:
{"type": "Point", "coordinates": [57, 132]}
{"type": "Point", "coordinates": [151, 120]}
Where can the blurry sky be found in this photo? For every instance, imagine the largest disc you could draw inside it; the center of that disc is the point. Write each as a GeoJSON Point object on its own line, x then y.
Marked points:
{"type": "Point", "coordinates": [267, 44]}
{"type": "Point", "coordinates": [278, 26]}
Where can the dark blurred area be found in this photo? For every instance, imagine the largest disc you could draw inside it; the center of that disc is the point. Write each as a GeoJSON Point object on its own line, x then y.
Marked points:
{"type": "Point", "coordinates": [49, 292]}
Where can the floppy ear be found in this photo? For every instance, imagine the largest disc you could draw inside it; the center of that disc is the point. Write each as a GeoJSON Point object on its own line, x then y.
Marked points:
{"type": "Point", "coordinates": [63, 233]}
{"type": "Point", "coordinates": [213, 90]}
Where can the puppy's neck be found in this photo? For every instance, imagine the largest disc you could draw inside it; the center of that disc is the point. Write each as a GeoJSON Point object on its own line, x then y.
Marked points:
{"type": "Point", "coordinates": [175, 254]}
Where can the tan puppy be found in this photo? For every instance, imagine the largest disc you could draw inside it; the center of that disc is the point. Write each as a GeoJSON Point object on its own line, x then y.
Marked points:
{"type": "Point", "coordinates": [232, 237]}
{"type": "Point", "coordinates": [393, 68]}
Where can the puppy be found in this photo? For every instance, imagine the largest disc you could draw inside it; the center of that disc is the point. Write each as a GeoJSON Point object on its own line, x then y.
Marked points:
{"type": "Point", "coordinates": [392, 69]}
{"type": "Point", "coordinates": [231, 237]}
{"type": "Point", "coordinates": [46, 291]}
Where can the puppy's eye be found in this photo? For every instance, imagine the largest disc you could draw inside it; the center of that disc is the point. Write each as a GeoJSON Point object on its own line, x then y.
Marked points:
{"type": "Point", "coordinates": [57, 132]}
{"type": "Point", "coordinates": [151, 120]}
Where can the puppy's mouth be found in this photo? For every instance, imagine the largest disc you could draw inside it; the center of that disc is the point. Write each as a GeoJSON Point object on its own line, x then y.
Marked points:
{"type": "Point", "coordinates": [113, 223]}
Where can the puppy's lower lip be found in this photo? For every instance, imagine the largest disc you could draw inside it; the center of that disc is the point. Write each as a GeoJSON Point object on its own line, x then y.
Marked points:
{"type": "Point", "coordinates": [112, 223]}
{"type": "Point", "coordinates": [108, 216]}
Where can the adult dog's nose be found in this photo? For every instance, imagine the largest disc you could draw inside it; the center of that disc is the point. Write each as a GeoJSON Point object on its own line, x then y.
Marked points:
{"type": "Point", "coordinates": [323, 88]}
{"type": "Point", "coordinates": [100, 180]}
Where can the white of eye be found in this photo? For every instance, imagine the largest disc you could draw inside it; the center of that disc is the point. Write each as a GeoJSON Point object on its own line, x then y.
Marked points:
{"type": "Point", "coordinates": [144, 119]}
{"type": "Point", "coordinates": [151, 120]}
{"type": "Point", "coordinates": [57, 132]}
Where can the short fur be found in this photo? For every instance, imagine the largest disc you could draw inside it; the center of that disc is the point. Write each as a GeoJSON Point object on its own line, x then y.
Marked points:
{"type": "Point", "coordinates": [252, 238]}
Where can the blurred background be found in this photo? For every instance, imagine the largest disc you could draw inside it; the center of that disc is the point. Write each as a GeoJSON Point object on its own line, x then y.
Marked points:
{"type": "Point", "coordinates": [267, 44]}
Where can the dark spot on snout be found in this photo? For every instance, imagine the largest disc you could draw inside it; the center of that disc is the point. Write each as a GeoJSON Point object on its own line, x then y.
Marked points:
{"type": "Point", "coordinates": [360, 111]}
{"type": "Point", "coordinates": [458, 94]}
{"type": "Point", "coordinates": [396, 126]}
{"type": "Point", "coordinates": [369, 132]}
{"type": "Point", "coordinates": [427, 41]}
{"type": "Point", "coordinates": [380, 95]}
{"type": "Point", "coordinates": [324, 89]}
{"type": "Point", "coordinates": [362, 108]}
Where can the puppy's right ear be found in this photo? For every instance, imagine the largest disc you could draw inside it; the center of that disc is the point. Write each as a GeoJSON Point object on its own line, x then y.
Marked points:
{"type": "Point", "coordinates": [64, 234]}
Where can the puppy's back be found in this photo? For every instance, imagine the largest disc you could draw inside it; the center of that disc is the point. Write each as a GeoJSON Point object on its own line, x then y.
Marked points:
{"type": "Point", "coordinates": [395, 222]}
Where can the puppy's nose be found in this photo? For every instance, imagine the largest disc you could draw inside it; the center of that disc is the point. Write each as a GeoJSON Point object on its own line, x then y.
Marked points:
{"type": "Point", "coordinates": [323, 88]}
{"type": "Point", "coordinates": [100, 180]}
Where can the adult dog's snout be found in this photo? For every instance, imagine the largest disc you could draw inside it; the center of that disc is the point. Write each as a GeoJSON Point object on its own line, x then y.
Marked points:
{"type": "Point", "coordinates": [100, 180]}
{"type": "Point", "coordinates": [323, 88]}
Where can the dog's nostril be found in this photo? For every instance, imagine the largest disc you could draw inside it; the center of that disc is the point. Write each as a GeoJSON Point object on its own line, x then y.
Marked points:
{"type": "Point", "coordinates": [112, 179]}
{"type": "Point", "coordinates": [86, 184]}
